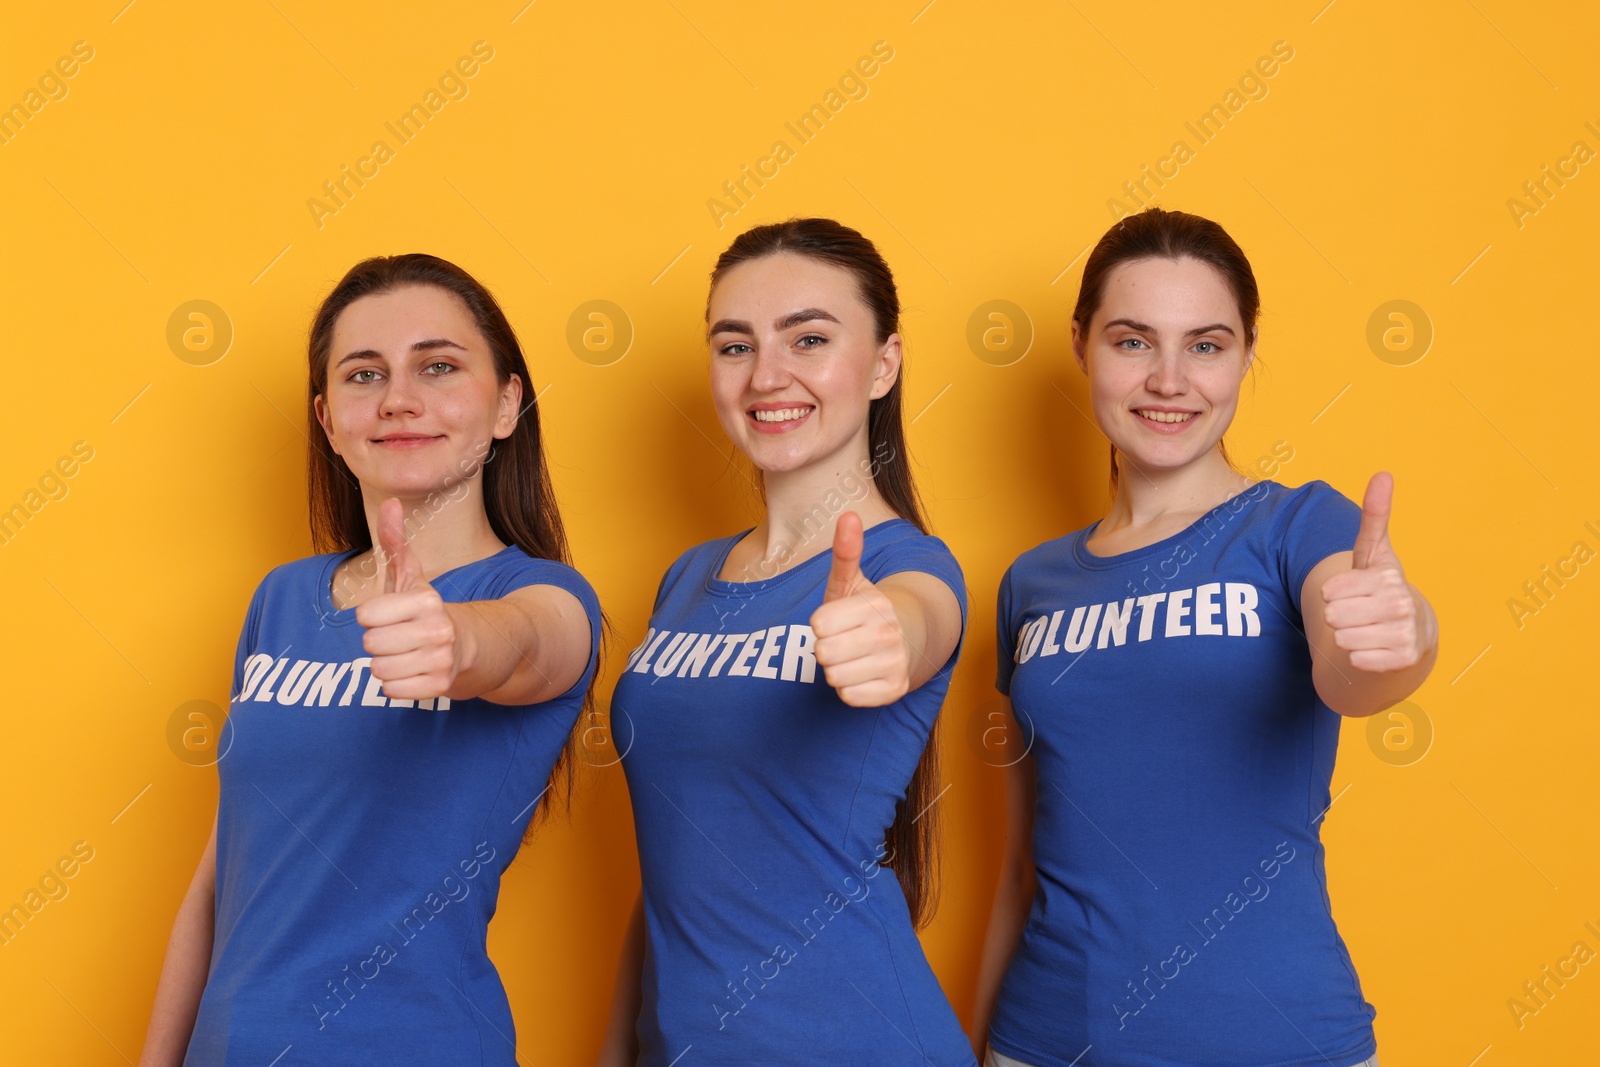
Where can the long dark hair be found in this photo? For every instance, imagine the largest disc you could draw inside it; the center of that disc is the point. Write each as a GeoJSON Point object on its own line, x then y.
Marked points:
{"type": "Point", "coordinates": [913, 838]}
{"type": "Point", "coordinates": [517, 494]}
{"type": "Point", "coordinates": [1158, 233]}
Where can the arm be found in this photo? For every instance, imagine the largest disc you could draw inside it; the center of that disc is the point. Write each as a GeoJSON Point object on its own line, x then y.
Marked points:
{"type": "Point", "coordinates": [1403, 624]}
{"type": "Point", "coordinates": [188, 962]}
{"type": "Point", "coordinates": [621, 1048]}
{"type": "Point", "coordinates": [876, 642]}
{"type": "Point", "coordinates": [529, 646]}
{"type": "Point", "coordinates": [1013, 898]}
{"type": "Point", "coordinates": [1374, 637]}
{"type": "Point", "coordinates": [929, 618]}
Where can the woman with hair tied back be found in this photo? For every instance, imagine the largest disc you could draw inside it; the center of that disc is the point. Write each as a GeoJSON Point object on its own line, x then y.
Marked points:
{"type": "Point", "coordinates": [1181, 668]}
{"type": "Point", "coordinates": [400, 705]}
{"type": "Point", "coordinates": [778, 715]}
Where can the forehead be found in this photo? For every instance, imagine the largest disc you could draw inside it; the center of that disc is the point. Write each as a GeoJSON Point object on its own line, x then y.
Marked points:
{"type": "Point", "coordinates": [409, 313]}
{"type": "Point", "coordinates": [782, 282]}
{"type": "Point", "coordinates": [1157, 289]}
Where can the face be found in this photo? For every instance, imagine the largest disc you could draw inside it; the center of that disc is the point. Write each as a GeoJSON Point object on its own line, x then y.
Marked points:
{"type": "Point", "coordinates": [795, 361]}
{"type": "Point", "coordinates": [411, 401]}
{"type": "Point", "coordinates": [1165, 353]}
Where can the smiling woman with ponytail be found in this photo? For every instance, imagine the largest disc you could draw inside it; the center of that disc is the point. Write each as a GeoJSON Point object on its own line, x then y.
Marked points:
{"type": "Point", "coordinates": [1163, 900]}
{"type": "Point", "coordinates": [783, 699]}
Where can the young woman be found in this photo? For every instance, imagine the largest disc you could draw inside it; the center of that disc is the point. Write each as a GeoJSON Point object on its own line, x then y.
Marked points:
{"type": "Point", "coordinates": [784, 697]}
{"type": "Point", "coordinates": [1181, 667]}
{"type": "Point", "coordinates": [400, 705]}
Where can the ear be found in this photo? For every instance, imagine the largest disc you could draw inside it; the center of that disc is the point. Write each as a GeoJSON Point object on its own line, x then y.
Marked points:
{"type": "Point", "coordinates": [320, 405]}
{"type": "Point", "coordinates": [1079, 347]}
{"type": "Point", "coordinates": [1250, 352]}
{"type": "Point", "coordinates": [510, 407]}
{"type": "Point", "coordinates": [888, 369]}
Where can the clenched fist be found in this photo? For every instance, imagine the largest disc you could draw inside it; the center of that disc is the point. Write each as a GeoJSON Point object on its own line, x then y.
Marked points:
{"type": "Point", "coordinates": [859, 642]}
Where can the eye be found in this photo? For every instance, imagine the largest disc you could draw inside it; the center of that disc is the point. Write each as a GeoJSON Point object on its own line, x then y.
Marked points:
{"type": "Point", "coordinates": [1128, 341]}
{"type": "Point", "coordinates": [356, 376]}
{"type": "Point", "coordinates": [1207, 348]}
{"type": "Point", "coordinates": [734, 348]}
{"type": "Point", "coordinates": [448, 367]}
{"type": "Point", "coordinates": [817, 337]}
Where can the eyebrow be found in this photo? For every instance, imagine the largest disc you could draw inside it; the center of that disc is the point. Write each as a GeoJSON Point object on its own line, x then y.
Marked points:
{"type": "Point", "coordinates": [794, 318]}
{"type": "Point", "coordinates": [1215, 327]}
{"type": "Point", "coordinates": [421, 346]}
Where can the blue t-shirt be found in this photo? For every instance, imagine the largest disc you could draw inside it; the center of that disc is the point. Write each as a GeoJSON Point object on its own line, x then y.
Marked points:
{"type": "Point", "coordinates": [1183, 763]}
{"type": "Point", "coordinates": [361, 840]}
{"type": "Point", "coordinates": [761, 802]}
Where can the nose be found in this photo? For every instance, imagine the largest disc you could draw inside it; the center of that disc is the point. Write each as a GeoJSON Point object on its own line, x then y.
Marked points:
{"type": "Point", "coordinates": [770, 370]}
{"type": "Point", "coordinates": [400, 397]}
{"type": "Point", "coordinates": [1167, 375]}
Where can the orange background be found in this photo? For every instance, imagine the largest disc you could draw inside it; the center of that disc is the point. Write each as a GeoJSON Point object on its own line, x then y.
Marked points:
{"type": "Point", "coordinates": [176, 164]}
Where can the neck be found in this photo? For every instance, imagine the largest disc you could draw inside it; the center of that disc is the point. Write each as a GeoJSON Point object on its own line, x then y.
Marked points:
{"type": "Point", "coordinates": [804, 505]}
{"type": "Point", "coordinates": [1146, 497]}
{"type": "Point", "coordinates": [441, 537]}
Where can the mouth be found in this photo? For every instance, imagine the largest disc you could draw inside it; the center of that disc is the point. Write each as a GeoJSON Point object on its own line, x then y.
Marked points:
{"type": "Point", "coordinates": [407, 440]}
{"type": "Point", "coordinates": [1165, 421]}
{"type": "Point", "coordinates": [778, 418]}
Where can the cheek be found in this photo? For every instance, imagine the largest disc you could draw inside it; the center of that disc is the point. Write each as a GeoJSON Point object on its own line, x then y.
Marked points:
{"type": "Point", "coordinates": [340, 417]}
{"type": "Point", "coordinates": [1219, 385]}
{"type": "Point", "coordinates": [842, 384]}
{"type": "Point", "coordinates": [465, 408]}
{"type": "Point", "coordinates": [726, 384]}
{"type": "Point", "coordinates": [727, 389]}
{"type": "Point", "coordinates": [1112, 382]}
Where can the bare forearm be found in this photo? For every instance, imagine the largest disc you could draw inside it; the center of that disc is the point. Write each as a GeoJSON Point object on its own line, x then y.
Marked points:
{"type": "Point", "coordinates": [930, 622]}
{"type": "Point", "coordinates": [1012, 902]}
{"type": "Point", "coordinates": [491, 662]}
{"type": "Point", "coordinates": [621, 1047]}
{"type": "Point", "coordinates": [183, 980]}
{"type": "Point", "coordinates": [1351, 691]}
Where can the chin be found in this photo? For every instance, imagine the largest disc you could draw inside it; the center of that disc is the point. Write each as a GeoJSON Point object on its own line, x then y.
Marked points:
{"type": "Point", "coordinates": [408, 483]}
{"type": "Point", "coordinates": [1162, 460]}
{"type": "Point", "coordinates": [774, 461]}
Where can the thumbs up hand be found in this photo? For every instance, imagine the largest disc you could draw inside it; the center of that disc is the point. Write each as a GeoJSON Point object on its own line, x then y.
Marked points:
{"type": "Point", "coordinates": [859, 642]}
{"type": "Point", "coordinates": [1375, 614]}
{"type": "Point", "coordinates": [411, 636]}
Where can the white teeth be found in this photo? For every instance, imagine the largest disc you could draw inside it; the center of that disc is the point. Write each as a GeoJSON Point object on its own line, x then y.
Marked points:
{"type": "Point", "coordinates": [781, 414]}
{"type": "Point", "coordinates": [1167, 416]}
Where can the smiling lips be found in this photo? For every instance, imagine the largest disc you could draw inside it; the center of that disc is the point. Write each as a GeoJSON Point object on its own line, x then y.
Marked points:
{"type": "Point", "coordinates": [1163, 421]}
{"type": "Point", "coordinates": [773, 418]}
{"type": "Point", "coordinates": [407, 440]}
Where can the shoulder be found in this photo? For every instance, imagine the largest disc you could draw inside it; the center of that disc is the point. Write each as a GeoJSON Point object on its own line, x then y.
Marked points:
{"type": "Point", "coordinates": [700, 557]}
{"type": "Point", "coordinates": [698, 560]}
{"type": "Point", "coordinates": [898, 535]}
{"type": "Point", "coordinates": [1314, 508]}
{"type": "Point", "coordinates": [1045, 562]}
{"type": "Point", "coordinates": [1307, 525]}
{"type": "Point", "coordinates": [291, 587]}
{"type": "Point", "coordinates": [1286, 502]}
{"type": "Point", "coordinates": [298, 575]}
{"type": "Point", "coordinates": [513, 568]}
{"type": "Point", "coordinates": [897, 545]}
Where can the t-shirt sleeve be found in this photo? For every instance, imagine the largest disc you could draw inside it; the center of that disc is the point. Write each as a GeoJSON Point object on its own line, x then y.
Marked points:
{"type": "Point", "coordinates": [669, 577]}
{"type": "Point", "coordinates": [928, 555]}
{"type": "Point", "coordinates": [1318, 522]}
{"type": "Point", "coordinates": [525, 571]}
{"type": "Point", "coordinates": [249, 635]}
{"type": "Point", "coordinates": [1005, 643]}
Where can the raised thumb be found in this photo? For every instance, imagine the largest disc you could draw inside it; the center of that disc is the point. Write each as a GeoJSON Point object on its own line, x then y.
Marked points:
{"type": "Point", "coordinates": [846, 571]}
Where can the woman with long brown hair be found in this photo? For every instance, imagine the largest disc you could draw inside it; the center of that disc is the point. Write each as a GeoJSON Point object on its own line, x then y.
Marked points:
{"type": "Point", "coordinates": [783, 699]}
{"type": "Point", "coordinates": [402, 704]}
{"type": "Point", "coordinates": [1182, 667]}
